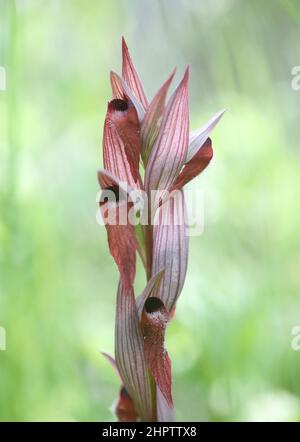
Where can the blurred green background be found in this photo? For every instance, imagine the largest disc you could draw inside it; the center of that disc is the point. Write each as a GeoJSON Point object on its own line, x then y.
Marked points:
{"type": "Point", "coordinates": [230, 342]}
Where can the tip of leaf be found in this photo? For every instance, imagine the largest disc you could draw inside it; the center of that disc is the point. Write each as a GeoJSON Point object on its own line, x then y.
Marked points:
{"type": "Point", "coordinates": [185, 79]}
{"type": "Point", "coordinates": [222, 112]}
{"type": "Point", "coordinates": [115, 76]}
{"type": "Point", "coordinates": [164, 88]}
{"type": "Point", "coordinates": [169, 79]}
{"type": "Point", "coordinates": [124, 46]}
{"type": "Point", "coordinates": [173, 72]}
{"type": "Point", "coordinates": [186, 74]}
{"type": "Point", "coordinates": [112, 74]}
{"type": "Point", "coordinates": [99, 177]}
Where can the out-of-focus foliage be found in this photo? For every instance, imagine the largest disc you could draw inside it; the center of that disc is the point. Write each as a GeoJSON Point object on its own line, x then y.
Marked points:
{"type": "Point", "coordinates": [230, 341]}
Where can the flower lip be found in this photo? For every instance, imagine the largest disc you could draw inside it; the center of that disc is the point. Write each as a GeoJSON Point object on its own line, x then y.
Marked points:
{"type": "Point", "coordinates": [118, 105]}
{"type": "Point", "coordinates": [153, 304]}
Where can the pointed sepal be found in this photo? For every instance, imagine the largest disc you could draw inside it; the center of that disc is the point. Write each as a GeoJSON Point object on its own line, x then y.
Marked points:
{"type": "Point", "coordinates": [170, 248]}
{"type": "Point", "coordinates": [130, 75]}
{"type": "Point", "coordinates": [150, 123]}
{"type": "Point", "coordinates": [199, 136]}
{"type": "Point", "coordinates": [169, 151]}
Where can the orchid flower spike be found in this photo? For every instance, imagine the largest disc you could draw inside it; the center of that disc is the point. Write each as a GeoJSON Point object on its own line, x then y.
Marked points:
{"type": "Point", "coordinates": [153, 133]}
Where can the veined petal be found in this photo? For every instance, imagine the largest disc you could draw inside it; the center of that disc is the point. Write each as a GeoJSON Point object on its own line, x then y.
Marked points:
{"type": "Point", "coordinates": [125, 410]}
{"type": "Point", "coordinates": [169, 151]}
{"type": "Point", "coordinates": [123, 118]}
{"type": "Point", "coordinates": [117, 86]}
{"type": "Point", "coordinates": [130, 356]}
{"type": "Point", "coordinates": [195, 166]}
{"type": "Point", "coordinates": [114, 156]}
{"type": "Point", "coordinates": [130, 75]}
{"type": "Point", "coordinates": [121, 90]}
{"type": "Point", "coordinates": [150, 123]}
{"type": "Point", "coordinates": [170, 248]}
{"type": "Point", "coordinates": [154, 322]}
{"type": "Point", "coordinates": [199, 136]}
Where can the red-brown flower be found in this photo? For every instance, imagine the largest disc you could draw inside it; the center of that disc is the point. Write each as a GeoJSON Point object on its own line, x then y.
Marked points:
{"type": "Point", "coordinates": [156, 135]}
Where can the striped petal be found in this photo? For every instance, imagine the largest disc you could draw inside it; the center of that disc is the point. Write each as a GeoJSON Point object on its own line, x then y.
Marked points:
{"type": "Point", "coordinates": [169, 151]}
{"type": "Point", "coordinates": [124, 120]}
{"type": "Point", "coordinates": [114, 155]}
{"type": "Point", "coordinates": [199, 136]}
{"type": "Point", "coordinates": [170, 248]}
{"type": "Point", "coordinates": [130, 75]}
{"type": "Point", "coordinates": [130, 356]}
{"type": "Point", "coordinates": [150, 123]}
{"type": "Point", "coordinates": [117, 86]}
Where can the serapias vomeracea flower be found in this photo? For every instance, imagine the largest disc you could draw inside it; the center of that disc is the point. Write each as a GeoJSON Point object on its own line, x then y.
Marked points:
{"type": "Point", "coordinates": [147, 147]}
